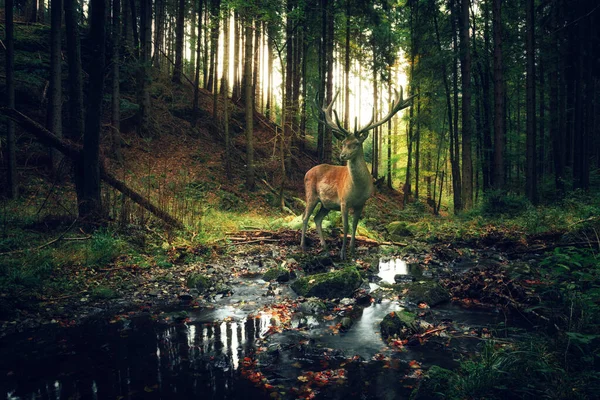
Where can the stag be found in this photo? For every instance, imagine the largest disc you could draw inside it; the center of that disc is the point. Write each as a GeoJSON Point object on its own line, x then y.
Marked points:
{"type": "Point", "coordinates": [343, 188]}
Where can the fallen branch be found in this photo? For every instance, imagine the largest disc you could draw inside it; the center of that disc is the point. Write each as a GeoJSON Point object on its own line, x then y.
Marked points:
{"type": "Point", "coordinates": [255, 241]}
{"type": "Point", "coordinates": [74, 152]}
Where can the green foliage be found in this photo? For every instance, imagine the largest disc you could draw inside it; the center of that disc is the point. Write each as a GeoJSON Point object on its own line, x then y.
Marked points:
{"type": "Point", "coordinates": [498, 203]}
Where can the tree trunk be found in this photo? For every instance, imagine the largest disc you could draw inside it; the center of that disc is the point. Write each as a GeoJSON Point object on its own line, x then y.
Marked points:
{"type": "Point", "coordinates": [143, 73]}
{"type": "Point", "coordinates": [12, 180]}
{"type": "Point", "coordinates": [465, 69]}
{"type": "Point", "coordinates": [225, 92]}
{"type": "Point", "coordinates": [531, 150]}
{"type": "Point", "coordinates": [179, 37]}
{"type": "Point", "coordinates": [192, 63]}
{"type": "Point", "coordinates": [116, 97]}
{"type": "Point", "coordinates": [454, 142]}
{"type": "Point", "coordinates": [134, 26]}
{"type": "Point", "coordinates": [256, 68]}
{"type": "Point", "coordinates": [375, 134]}
{"type": "Point", "coordinates": [237, 41]}
{"type": "Point", "coordinates": [499, 135]}
{"type": "Point", "coordinates": [159, 32]}
{"type": "Point", "coordinates": [248, 94]}
{"type": "Point", "coordinates": [347, 70]}
{"type": "Point", "coordinates": [91, 206]}
{"type": "Point", "coordinates": [197, 74]}
{"type": "Point", "coordinates": [55, 97]}
{"type": "Point", "coordinates": [327, 139]}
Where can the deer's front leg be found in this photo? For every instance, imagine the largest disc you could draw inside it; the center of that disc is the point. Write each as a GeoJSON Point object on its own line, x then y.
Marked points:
{"type": "Point", "coordinates": [355, 218]}
{"type": "Point", "coordinates": [344, 210]}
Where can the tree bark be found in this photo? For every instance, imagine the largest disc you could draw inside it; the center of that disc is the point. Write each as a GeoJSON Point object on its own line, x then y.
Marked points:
{"type": "Point", "coordinates": [465, 69]}
{"type": "Point", "coordinates": [12, 179]}
{"type": "Point", "coordinates": [499, 134]}
{"type": "Point", "coordinates": [91, 205]}
{"type": "Point", "coordinates": [531, 150]}
{"type": "Point", "coordinates": [225, 93]}
{"type": "Point", "coordinates": [179, 37]}
{"type": "Point", "coordinates": [248, 94]}
{"type": "Point", "coordinates": [143, 70]}
{"type": "Point", "coordinates": [55, 97]}
{"type": "Point", "coordinates": [116, 96]}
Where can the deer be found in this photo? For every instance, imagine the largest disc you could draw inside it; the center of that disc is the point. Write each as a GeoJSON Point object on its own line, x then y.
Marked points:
{"type": "Point", "coordinates": [343, 188]}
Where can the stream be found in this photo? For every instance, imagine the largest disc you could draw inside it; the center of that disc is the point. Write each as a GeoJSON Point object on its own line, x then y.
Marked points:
{"type": "Point", "coordinates": [257, 343]}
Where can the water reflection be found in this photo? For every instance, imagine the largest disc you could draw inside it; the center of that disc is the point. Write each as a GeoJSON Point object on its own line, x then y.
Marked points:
{"type": "Point", "coordinates": [390, 268]}
{"type": "Point", "coordinates": [180, 361]}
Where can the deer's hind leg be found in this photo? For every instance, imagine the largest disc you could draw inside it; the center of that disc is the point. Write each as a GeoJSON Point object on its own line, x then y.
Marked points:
{"type": "Point", "coordinates": [318, 221]}
{"type": "Point", "coordinates": [310, 206]}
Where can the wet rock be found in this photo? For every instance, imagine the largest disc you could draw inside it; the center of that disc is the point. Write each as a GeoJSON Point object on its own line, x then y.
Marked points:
{"type": "Point", "coordinates": [315, 265]}
{"type": "Point", "coordinates": [346, 323]}
{"type": "Point", "coordinates": [400, 324]}
{"type": "Point", "coordinates": [335, 284]}
{"type": "Point", "coordinates": [362, 298]}
{"type": "Point", "coordinates": [199, 282]}
{"type": "Point", "coordinates": [428, 292]}
{"type": "Point", "coordinates": [277, 274]}
{"type": "Point", "coordinates": [312, 306]}
{"type": "Point", "coordinates": [186, 297]}
{"type": "Point", "coordinates": [403, 278]}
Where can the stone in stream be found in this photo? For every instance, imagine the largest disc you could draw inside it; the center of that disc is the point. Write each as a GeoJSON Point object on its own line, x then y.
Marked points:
{"type": "Point", "coordinates": [429, 292]}
{"type": "Point", "coordinates": [329, 285]}
{"type": "Point", "coordinates": [398, 323]}
{"type": "Point", "coordinates": [277, 274]}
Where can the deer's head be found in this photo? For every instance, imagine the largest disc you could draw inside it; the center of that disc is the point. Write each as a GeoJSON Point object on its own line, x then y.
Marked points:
{"type": "Point", "coordinates": [352, 141]}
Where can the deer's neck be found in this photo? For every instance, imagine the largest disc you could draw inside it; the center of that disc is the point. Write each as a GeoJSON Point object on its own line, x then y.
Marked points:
{"type": "Point", "coordinates": [359, 173]}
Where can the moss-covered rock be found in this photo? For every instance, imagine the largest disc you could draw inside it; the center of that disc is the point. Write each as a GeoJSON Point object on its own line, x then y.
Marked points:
{"type": "Point", "coordinates": [333, 284]}
{"type": "Point", "coordinates": [277, 274]}
{"type": "Point", "coordinates": [428, 292]}
{"type": "Point", "coordinates": [400, 324]}
{"type": "Point", "coordinates": [199, 282]}
{"type": "Point", "coordinates": [315, 265]}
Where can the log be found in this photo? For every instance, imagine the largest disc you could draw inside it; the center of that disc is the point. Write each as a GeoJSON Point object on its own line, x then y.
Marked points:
{"type": "Point", "coordinates": [73, 151]}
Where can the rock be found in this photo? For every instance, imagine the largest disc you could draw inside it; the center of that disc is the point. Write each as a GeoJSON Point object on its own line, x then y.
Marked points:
{"type": "Point", "coordinates": [186, 297]}
{"type": "Point", "coordinates": [429, 292]}
{"type": "Point", "coordinates": [398, 229]}
{"type": "Point", "coordinates": [317, 264]}
{"type": "Point", "coordinates": [312, 306]}
{"type": "Point", "coordinates": [399, 323]}
{"type": "Point", "coordinates": [199, 282]}
{"type": "Point", "coordinates": [335, 284]}
{"type": "Point", "coordinates": [403, 278]}
{"type": "Point", "coordinates": [346, 323]}
{"type": "Point", "coordinates": [277, 274]}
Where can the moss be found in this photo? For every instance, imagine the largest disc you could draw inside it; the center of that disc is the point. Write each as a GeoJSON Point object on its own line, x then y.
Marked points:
{"type": "Point", "coordinates": [434, 385]}
{"type": "Point", "coordinates": [429, 292]}
{"type": "Point", "coordinates": [279, 274]}
{"type": "Point", "coordinates": [401, 324]}
{"type": "Point", "coordinates": [333, 284]}
{"type": "Point", "coordinates": [198, 281]}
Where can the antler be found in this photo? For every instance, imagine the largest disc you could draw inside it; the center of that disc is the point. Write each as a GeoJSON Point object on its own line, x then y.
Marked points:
{"type": "Point", "coordinates": [341, 133]}
{"type": "Point", "coordinates": [399, 104]}
{"type": "Point", "coordinates": [336, 127]}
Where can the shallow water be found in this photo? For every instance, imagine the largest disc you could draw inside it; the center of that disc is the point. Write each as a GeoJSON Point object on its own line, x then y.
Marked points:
{"type": "Point", "coordinates": [206, 356]}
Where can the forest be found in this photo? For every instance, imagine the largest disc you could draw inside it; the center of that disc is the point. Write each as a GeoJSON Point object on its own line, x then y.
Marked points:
{"type": "Point", "coordinates": [168, 168]}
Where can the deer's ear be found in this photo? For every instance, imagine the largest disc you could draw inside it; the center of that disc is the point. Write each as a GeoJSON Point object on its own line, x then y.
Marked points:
{"type": "Point", "coordinates": [362, 136]}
